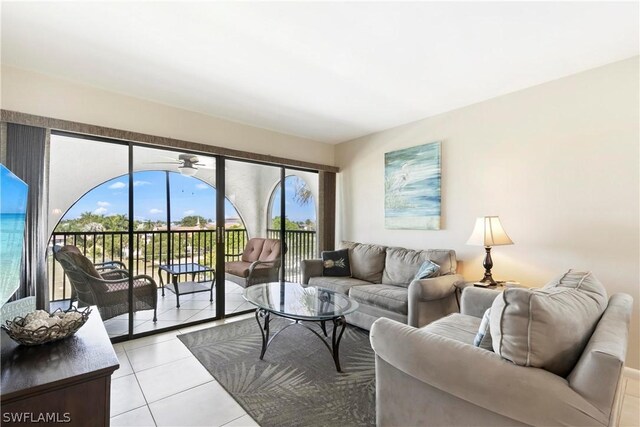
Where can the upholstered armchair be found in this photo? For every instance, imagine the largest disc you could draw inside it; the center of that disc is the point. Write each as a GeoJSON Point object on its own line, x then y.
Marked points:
{"type": "Point", "coordinates": [105, 285]}
{"type": "Point", "coordinates": [259, 263]}
{"type": "Point", "coordinates": [436, 376]}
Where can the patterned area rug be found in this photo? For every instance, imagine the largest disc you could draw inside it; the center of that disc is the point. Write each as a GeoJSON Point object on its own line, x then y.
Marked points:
{"type": "Point", "coordinates": [296, 384]}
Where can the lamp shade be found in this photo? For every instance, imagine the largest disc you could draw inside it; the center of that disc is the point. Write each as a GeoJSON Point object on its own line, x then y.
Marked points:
{"type": "Point", "coordinates": [489, 232]}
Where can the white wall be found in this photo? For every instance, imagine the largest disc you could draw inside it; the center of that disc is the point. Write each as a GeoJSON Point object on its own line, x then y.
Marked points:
{"type": "Point", "coordinates": [559, 163]}
{"type": "Point", "coordinates": [34, 93]}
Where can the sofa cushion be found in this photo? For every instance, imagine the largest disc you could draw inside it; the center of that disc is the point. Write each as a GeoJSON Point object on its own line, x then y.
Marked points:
{"type": "Point", "coordinates": [548, 328]}
{"type": "Point", "coordinates": [456, 326]}
{"type": "Point", "coordinates": [336, 263]}
{"type": "Point", "coordinates": [392, 298]}
{"type": "Point", "coordinates": [367, 260]}
{"type": "Point", "coordinates": [336, 284]}
{"type": "Point", "coordinates": [401, 265]}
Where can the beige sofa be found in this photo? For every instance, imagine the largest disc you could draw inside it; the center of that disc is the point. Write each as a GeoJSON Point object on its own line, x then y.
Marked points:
{"type": "Point", "coordinates": [435, 376]}
{"type": "Point", "coordinates": [382, 284]}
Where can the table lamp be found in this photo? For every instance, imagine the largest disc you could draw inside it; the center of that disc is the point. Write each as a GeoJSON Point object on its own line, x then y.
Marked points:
{"type": "Point", "coordinates": [488, 232]}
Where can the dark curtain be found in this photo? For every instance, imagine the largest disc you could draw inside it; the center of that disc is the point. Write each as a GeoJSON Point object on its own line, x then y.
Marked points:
{"type": "Point", "coordinates": [26, 156]}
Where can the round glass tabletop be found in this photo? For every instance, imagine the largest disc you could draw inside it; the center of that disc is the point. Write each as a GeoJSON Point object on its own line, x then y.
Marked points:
{"type": "Point", "coordinates": [297, 302]}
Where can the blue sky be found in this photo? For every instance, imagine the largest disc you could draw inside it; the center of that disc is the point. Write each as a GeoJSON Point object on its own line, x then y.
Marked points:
{"type": "Point", "coordinates": [189, 196]}
{"type": "Point", "coordinates": [13, 192]}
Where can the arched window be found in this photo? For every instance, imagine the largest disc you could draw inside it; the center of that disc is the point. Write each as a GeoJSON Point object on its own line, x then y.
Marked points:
{"type": "Point", "coordinates": [300, 206]}
{"type": "Point", "coordinates": [106, 208]}
{"type": "Point", "coordinates": [97, 223]}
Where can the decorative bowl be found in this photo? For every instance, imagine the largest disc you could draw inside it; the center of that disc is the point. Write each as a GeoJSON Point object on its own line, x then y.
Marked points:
{"type": "Point", "coordinates": [40, 327]}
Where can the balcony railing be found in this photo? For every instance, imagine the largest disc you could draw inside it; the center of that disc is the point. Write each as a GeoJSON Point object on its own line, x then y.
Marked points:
{"type": "Point", "coordinates": [153, 248]}
{"type": "Point", "coordinates": [301, 244]}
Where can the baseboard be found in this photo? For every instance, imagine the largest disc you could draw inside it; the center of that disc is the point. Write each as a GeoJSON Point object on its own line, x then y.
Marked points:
{"type": "Point", "coordinates": [631, 373]}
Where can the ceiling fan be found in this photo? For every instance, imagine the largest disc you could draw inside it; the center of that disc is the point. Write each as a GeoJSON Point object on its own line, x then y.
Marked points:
{"type": "Point", "coordinates": [187, 162]}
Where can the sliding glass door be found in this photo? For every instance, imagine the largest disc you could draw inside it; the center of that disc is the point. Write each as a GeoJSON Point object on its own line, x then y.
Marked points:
{"type": "Point", "coordinates": [178, 225]}
{"type": "Point", "coordinates": [89, 210]}
{"type": "Point", "coordinates": [248, 187]}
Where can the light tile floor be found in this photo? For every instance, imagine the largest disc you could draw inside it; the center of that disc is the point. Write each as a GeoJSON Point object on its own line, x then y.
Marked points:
{"type": "Point", "coordinates": [160, 383]}
{"type": "Point", "coordinates": [193, 307]}
{"type": "Point", "coordinates": [630, 409]}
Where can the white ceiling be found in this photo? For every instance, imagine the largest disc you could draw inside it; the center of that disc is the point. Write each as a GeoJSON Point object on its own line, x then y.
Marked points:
{"type": "Point", "coordinates": [326, 71]}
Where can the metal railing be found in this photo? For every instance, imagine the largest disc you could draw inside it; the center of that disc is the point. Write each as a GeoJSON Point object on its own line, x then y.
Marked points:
{"type": "Point", "coordinates": [153, 248]}
{"type": "Point", "coordinates": [301, 244]}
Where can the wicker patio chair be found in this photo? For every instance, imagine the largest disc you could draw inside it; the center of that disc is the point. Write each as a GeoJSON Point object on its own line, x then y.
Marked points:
{"type": "Point", "coordinates": [106, 286]}
{"type": "Point", "coordinates": [259, 263]}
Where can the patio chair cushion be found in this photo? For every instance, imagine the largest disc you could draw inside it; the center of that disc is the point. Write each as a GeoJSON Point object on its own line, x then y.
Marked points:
{"type": "Point", "coordinates": [253, 250]}
{"type": "Point", "coordinates": [259, 249]}
{"type": "Point", "coordinates": [387, 297]}
{"type": "Point", "coordinates": [336, 284]}
{"type": "Point", "coordinates": [270, 250]}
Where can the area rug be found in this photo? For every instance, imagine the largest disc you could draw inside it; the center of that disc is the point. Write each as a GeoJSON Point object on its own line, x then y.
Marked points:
{"type": "Point", "coordinates": [297, 383]}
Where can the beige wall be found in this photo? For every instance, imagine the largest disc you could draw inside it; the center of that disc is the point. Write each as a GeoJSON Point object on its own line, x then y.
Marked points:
{"type": "Point", "coordinates": [35, 93]}
{"type": "Point", "coordinates": [559, 163]}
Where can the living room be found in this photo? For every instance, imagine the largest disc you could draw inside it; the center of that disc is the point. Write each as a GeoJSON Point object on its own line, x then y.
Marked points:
{"type": "Point", "coordinates": [199, 126]}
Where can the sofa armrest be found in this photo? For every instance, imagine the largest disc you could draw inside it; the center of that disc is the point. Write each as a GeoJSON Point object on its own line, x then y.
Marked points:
{"type": "Point", "coordinates": [529, 395]}
{"type": "Point", "coordinates": [310, 268]}
{"type": "Point", "coordinates": [475, 301]}
{"type": "Point", "coordinates": [433, 288]}
{"type": "Point", "coordinates": [422, 293]}
{"type": "Point", "coordinates": [273, 264]}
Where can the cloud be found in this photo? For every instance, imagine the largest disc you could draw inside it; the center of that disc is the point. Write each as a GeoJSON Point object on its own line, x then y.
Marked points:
{"type": "Point", "coordinates": [189, 212]}
{"type": "Point", "coordinates": [155, 211]}
{"type": "Point", "coordinates": [117, 185]}
{"type": "Point", "coordinates": [100, 211]}
{"type": "Point", "coordinates": [139, 183]}
{"type": "Point", "coordinates": [103, 204]}
{"type": "Point", "coordinates": [202, 186]}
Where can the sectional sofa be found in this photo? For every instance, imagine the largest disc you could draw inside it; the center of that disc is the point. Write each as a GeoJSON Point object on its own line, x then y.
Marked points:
{"type": "Point", "coordinates": [382, 282]}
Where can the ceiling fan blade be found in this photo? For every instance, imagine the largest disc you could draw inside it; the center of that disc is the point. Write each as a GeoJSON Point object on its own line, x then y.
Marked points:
{"type": "Point", "coordinates": [162, 163]}
{"type": "Point", "coordinates": [203, 166]}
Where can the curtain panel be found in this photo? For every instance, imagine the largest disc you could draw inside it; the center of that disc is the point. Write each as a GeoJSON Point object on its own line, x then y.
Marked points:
{"type": "Point", "coordinates": [27, 152]}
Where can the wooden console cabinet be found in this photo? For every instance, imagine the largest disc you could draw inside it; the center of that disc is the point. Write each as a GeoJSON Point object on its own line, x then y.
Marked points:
{"type": "Point", "coordinates": [67, 382]}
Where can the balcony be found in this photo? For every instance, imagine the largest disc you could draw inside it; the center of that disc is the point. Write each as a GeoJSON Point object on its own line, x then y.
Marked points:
{"type": "Point", "coordinates": [150, 250]}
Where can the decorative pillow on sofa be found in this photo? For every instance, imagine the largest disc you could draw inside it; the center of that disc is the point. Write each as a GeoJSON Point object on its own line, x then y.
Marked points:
{"type": "Point", "coordinates": [483, 337]}
{"type": "Point", "coordinates": [548, 328]}
{"type": "Point", "coordinates": [336, 263]}
{"type": "Point", "coordinates": [426, 270]}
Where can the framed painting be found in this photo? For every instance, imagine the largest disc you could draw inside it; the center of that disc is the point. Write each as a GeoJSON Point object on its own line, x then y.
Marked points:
{"type": "Point", "coordinates": [412, 188]}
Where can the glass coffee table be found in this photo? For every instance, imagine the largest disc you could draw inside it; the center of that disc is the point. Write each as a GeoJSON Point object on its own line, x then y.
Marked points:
{"type": "Point", "coordinates": [299, 304]}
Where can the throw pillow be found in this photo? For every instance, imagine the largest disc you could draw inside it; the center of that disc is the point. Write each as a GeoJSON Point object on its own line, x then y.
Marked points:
{"type": "Point", "coordinates": [336, 263]}
{"type": "Point", "coordinates": [483, 337]}
{"type": "Point", "coordinates": [548, 328]}
{"type": "Point", "coordinates": [426, 270]}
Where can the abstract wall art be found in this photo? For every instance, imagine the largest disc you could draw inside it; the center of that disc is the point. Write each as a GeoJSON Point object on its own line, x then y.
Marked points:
{"type": "Point", "coordinates": [412, 187]}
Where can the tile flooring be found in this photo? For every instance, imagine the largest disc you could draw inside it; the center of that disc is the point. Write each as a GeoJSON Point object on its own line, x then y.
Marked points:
{"type": "Point", "coordinates": [193, 307]}
{"type": "Point", "coordinates": [630, 408]}
{"type": "Point", "coordinates": [160, 383]}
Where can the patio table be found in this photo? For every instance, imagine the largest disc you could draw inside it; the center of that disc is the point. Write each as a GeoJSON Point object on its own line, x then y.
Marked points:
{"type": "Point", "coordinates": [174, 271]}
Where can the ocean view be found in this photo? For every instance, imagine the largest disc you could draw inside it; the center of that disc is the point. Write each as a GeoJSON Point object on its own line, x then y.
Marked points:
{"type": "Point", "coordinates": [11, 242]}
